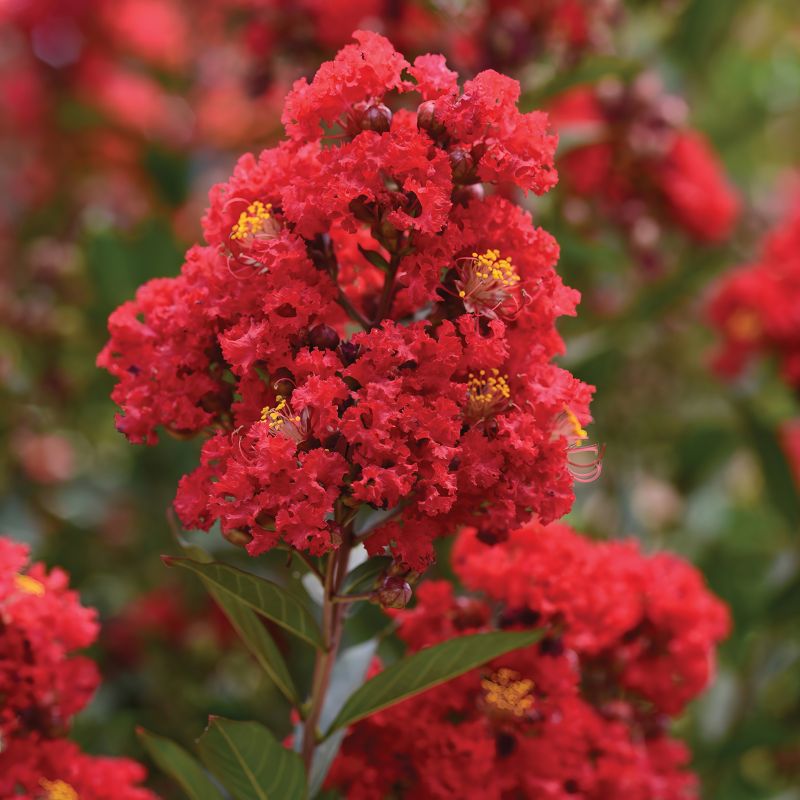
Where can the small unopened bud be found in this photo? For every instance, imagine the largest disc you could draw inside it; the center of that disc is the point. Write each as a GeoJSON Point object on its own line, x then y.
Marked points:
{"type": "Point", "coordinates": [362, 209]}
{"type": "Point", "coordinates": [462, 165]}
{"type": "Point", "coordinates": [349, 352]}
{"type": "Point", "coordinates": [238, 537]}
{"type": "Point", "coordinates": [282, 381]}
{"type": "Point", "coordinates": [464, 195]}
{"type": "Point", "coordinates": [335, 531]}
{"type": "Point", "coordinates": [426, 118]}
{"type": "Point", "coordinates": [323, 337]}
{"type": "Point", "coordinates": [376, 118]}
{"type": "Point", "coordinates": [394, 593]}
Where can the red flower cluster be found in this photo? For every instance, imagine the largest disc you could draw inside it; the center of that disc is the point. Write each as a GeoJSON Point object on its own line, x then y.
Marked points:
{"type": "Point", "coordinates": [643, 168]}
{"type": "Point", "coordinates": [365, 328]}
{"type": "Point", "coordinates": [509, 34]}
{"type": "Point", "coordinates": [43, 684]}
{"type": "Point", "coordinates": [629, 640]}
{"type": "Point", "coordinates": [756, 308]}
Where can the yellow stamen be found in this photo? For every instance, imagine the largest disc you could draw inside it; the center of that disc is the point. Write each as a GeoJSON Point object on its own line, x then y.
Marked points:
{"type": "Point", "coordinates": [58, 790]}
{"type": "Point", "coordinates": [744, 325]}
{"type": "Point", "coordinates": [273, 415]}
{"type": "Point", "coordinates": [575, 424]}
{"type": "Point", "coordinates": [487, 395]}
{"type": "Point", "coordinates": [29, 585]}
{"type": "Point", "coordinates": [488, 283]}
{"type": "Point", "coordinates": [491, 265]}
{"type": "Point", "coordinates": [506, 691]}
{"type": "Point", "coordinates": [252, 221]}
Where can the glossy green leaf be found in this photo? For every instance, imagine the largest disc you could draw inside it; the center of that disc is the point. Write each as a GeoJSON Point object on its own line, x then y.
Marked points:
{"type": "Point", "coordinates": [183, 768]}
{"type": "Point", "coordinates": [374, 258]}
{"type": "Point", "coordinates": [250, 762]}
{"type": "Point", "coordinates": [427, 668]}
{"type": "Point", "coordinates": [364, 575]}
{"type": "Point", "coordinates": [257, 639]}
{"type": "Point", "coordinates": [263, 596]}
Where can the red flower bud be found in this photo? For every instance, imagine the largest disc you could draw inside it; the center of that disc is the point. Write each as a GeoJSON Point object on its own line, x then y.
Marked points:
{"type": "Point", "coordinates": [377, 118]}
{"type": "Point", "coordinates": [394, 593]}
{"type": "Point", "coordinates": [323, 337]}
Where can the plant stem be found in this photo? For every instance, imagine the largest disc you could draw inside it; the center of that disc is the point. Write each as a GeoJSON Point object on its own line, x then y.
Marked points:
{"type": "Point", "coordinates": [332, 623]}
{"type": "Point", "coordinates": [387, 295]}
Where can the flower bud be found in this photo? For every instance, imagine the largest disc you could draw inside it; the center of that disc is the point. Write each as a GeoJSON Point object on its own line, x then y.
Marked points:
{"type": "Point", "coordinates": [464, 195]}
{"type": "Point", "coordinates": [394, 593]}
{"type": "Point", "coordinates": [282, 381]}
{"type": "Point", "coordinates": [377, 118]}
{"type": "Point", "coordinates": [349, 352]}
{"type": "Point", "coordinates": [336, 533]}
{"type": "Point", "coordinates": [362, 209]}
{"type": "Point", "coordinates": [238, 537]}
{"type": "Point", "coordinates": [426, 118]}
{"type": "Point", "coordinates": [462, 165]}
{"type": "Point", "coordinates": [323, 337]}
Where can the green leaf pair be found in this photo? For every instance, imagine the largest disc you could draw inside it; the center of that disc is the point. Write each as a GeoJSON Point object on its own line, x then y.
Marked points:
{"type": "Point", "coordinates": [244, 757]}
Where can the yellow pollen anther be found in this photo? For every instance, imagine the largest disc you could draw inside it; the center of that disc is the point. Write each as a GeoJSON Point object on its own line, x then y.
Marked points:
{"type": "Point", "coordinates": [252, 221]}
{"type": "Point", "coordinates": [273, 415]}
{"type": "Point", "coordinates": [506, 691]}
{"type": "Point", "coordinates": [29, 585]}
{"type": "Point", "coordinates": [487, 395]}
{"type": "Point", "coordinates": [744, 325]}
{"type": "Point", "coordinates": [488, 283]}
{"type": "Point", "coordinates": [575, 424]}
{"type": "Point", "coordinates": [58, 790]}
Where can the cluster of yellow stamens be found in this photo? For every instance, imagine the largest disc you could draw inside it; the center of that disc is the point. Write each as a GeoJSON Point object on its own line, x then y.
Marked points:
{"type": "Point", "coordinates": [506, 691]}
{"type": "Point", "coordinates": [58, 790]}
{"type": "Point", "coordinates": [744, 325]}
{"type": "Point", "coordinates": [29, 585]}
{"type": "Point", "coordinates": [577, 431]}
{"type": "Point", "coordinates": [276, 416]}
{"type": "Point", "coordinates": [487, 393]}
{"type": "Point", "coordinates": [486, 282]}
{"type": "Point", "coordinates": [252, 221]}
{"type": "Point", "coordinates": [491, 265]}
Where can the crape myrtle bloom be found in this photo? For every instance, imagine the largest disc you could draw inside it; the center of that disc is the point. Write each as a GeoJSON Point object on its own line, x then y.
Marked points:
{"type": "Point", "coordinates": [506, 35]}
{"type": "Point", "coordinates": [43, 683]}
{"type": "Point", "coordinates": [581, 714]}
{"type": "Point", "coordinates": [755, 307]}
{"type": "Point", "coordinates": [367, 326]}
{"type": "Point", "coordinates": [32, 768]}
{"type": "Point", "coordinates": [643, 167]}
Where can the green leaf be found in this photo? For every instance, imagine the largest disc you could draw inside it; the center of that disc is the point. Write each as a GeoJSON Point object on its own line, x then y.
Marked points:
{"type": "Point", "coordinates": [263, 596]}
{"type": "Point", "coordinates": [251, 762]}
{"type": "Point", "coordinates": [374, 258]}
{"type": "Point", "coordinates": [257, 639]}
{"type": "Point", "coordinates": [427, 668]}
{"type": "Point", "coordinates": [589, 70]}
{"type": "Point", "coordinates": [172, 759]}
{"type": "Point", "coordinates": [702, 28]}
{"type": "Point", "coordinates": [778, 476]}
{"type": "Point", "coordinates": [364, 575]}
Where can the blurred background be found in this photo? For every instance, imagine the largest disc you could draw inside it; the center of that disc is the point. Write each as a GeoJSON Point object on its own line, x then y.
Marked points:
{"type": "Point", "coordinates": [680, 134]}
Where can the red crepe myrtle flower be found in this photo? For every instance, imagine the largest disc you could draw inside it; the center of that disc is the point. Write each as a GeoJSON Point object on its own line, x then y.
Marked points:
{"type": "Point", "coordinates": [643, 167]}
{"type": "Point", "coordinates": [755, 307]}
{"type": "Point", "coordinates": [36, 769]}
{"type": "Point", "coordinates": [43, 682]}
{"type": "Point", "coordinates": [628, 639]}
{"type": "Point", "coordinates": [364, 328]}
